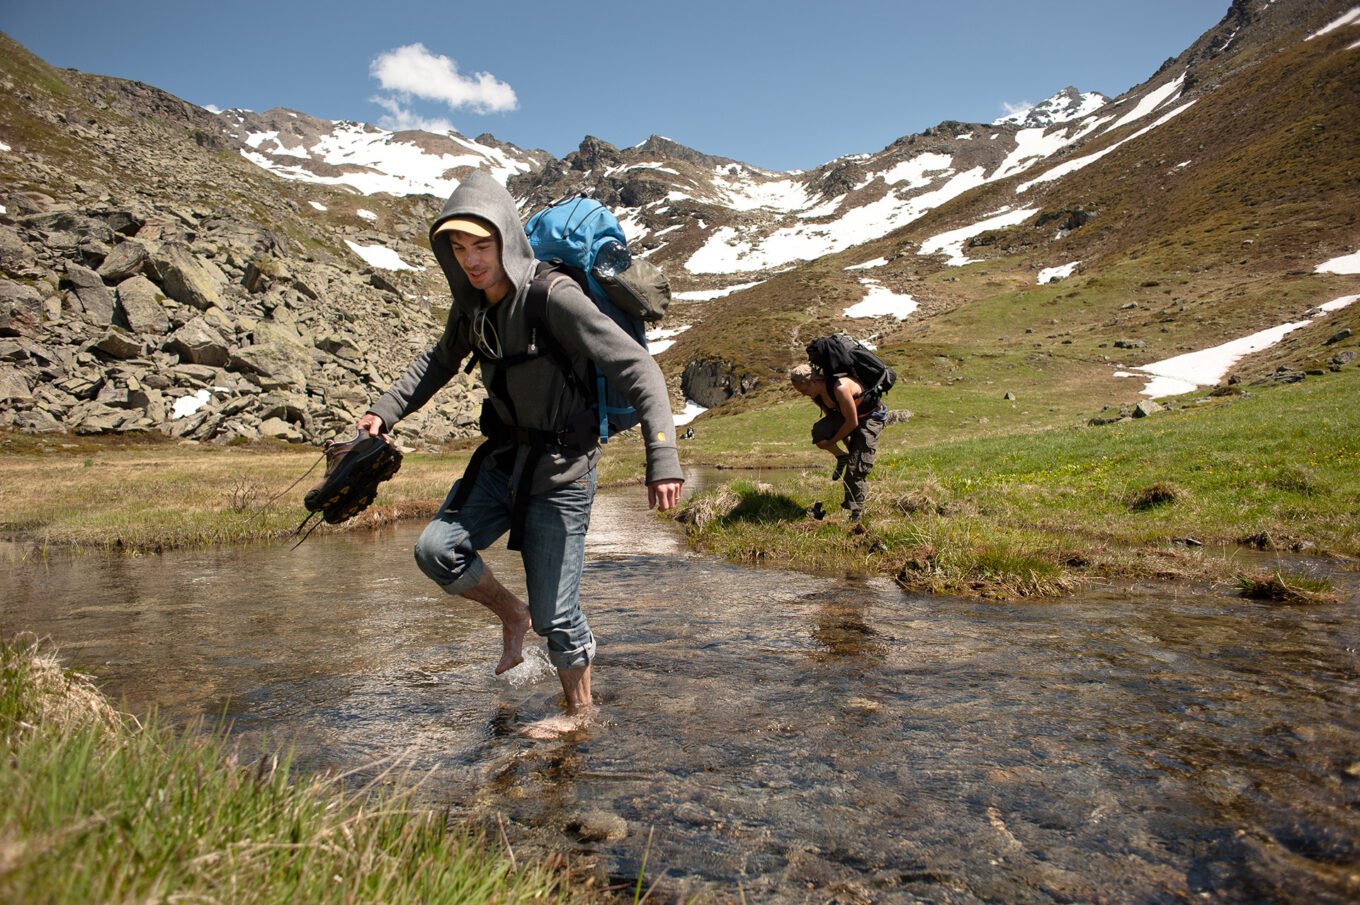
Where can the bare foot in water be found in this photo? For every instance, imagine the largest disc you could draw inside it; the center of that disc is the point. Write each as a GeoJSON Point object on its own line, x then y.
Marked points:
{"type": "Point", "coordinates": [557, 726]}
{"type": "Point", "coordinates": [512, 643]}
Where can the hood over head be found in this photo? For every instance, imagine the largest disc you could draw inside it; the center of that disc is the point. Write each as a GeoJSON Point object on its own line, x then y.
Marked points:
{"type": "Point", "coordinates": [482, 197]}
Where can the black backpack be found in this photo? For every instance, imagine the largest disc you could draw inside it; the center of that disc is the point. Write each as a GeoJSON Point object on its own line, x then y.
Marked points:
{"type": "Point", "coordinates": [840, 355]}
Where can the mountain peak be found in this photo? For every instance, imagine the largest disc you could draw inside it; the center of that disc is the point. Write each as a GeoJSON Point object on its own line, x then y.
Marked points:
{"type": "Point", "coordinates": [1067, 104]}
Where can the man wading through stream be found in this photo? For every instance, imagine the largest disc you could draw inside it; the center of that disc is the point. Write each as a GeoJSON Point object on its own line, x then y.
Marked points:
{"type": "Point", "coordinates": [534, 476]}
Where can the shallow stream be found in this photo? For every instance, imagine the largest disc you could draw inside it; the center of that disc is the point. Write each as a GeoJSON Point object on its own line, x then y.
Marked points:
{"type": "Point", "coordinates": [771, 735]}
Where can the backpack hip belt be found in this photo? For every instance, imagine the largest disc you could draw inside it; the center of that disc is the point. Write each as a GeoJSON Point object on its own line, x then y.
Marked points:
{"type": "Point", "coordinates": [501, 437]}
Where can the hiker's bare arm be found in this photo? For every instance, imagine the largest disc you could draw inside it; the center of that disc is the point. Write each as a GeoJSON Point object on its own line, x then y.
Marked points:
{"type": "Point", "coordinates": [663, 495]}
{"type": "Point", "coordinates": [845, 404]}
{"type": "Point", "coordinates": [371, 424]}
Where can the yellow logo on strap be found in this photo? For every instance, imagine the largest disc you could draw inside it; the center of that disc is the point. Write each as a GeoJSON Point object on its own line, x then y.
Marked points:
{"type": "Point", "coordinates": [661, 437]}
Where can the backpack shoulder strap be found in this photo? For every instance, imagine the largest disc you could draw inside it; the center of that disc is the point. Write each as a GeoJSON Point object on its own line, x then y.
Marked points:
{"type": "Point", "coordinates": [536, 307]}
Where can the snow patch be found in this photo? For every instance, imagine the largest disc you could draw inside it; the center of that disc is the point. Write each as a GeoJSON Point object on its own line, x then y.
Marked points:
{"type": "Point", "coordinates": [1349, 18]}
{"type": "Point", "coordinates": [1054, 274]}
{"type": "Point", "coordinates": [1346, 264]}
{"type": "Point", "coordinates": [950, 243]}
{"type": "Point", "coordinates": [380, 257]}
{"type": "Point", "coordinates": [660, 340]}
{"type": "Point", "coordinates": [186, 405]}
{"type": "Point", "coordinates": [708, 295]}
{"type": "Point", "coordinates": [879, 301]}
{"type": "Point", "coordinates": [1071, 166]}
{"type": "Point", "coordinates": [371, 160]}
{"type": "Point", "coordinates": [1152, 100]}
{"type": "Point", "coordinates": [913, 171]}
{"type": "Point", "coordinates": [1185, 373]}
{"type": "Point", "coordinates": [727, 252]}
{"type": "Point", "coordinates": [692, 410]}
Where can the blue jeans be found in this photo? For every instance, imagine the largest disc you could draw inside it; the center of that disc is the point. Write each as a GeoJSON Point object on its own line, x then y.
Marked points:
{"type": "Point", "coordinates": [553, 554]}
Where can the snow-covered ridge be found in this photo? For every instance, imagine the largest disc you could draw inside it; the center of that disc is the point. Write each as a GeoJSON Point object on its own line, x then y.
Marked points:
{"type": "Point", "coordinates": [796, 217]}
{"type": "Point", "coordinates": [365, 157]}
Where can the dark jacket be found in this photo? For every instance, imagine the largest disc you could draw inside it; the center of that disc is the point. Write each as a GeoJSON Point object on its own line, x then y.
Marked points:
{"type": "Point", "coordinates": [539, 397]}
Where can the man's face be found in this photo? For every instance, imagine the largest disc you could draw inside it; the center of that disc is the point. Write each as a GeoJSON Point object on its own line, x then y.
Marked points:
{"type": "Point", "coordinates": [480, 258]}
{"type": "Point", "coordinates": [807, 388]}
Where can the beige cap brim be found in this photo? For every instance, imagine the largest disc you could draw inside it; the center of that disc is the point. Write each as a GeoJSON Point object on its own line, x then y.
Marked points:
{"type": "Point", "coordinates": [471, 227]}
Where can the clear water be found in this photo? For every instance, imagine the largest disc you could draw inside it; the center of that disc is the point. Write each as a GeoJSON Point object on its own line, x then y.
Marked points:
{"type": "Point", "coordinates": [771, 735]}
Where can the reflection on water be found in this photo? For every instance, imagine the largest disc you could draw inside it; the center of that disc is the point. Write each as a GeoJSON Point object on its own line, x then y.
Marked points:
{"type": "Point", "coordinates": [777, 736]}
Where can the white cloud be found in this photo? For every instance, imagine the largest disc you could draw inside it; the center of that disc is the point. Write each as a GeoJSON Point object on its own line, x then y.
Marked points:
{"type": "Point", "coordinates": [412, 71]}
{"type": "Point", "coordinates": [399, 118]}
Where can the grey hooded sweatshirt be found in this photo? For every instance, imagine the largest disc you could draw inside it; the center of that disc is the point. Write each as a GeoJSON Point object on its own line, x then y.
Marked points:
{"type": "Point", "coordinates": [539, 397]}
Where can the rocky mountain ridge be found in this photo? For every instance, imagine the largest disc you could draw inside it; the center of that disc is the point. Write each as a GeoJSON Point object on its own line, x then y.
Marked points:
{"type": "Point", "coordinates": [225, 276]}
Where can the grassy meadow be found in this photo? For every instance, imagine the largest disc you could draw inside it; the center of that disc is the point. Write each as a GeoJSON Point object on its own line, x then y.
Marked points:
{"type": "Point", "coordinates": [969, 497]}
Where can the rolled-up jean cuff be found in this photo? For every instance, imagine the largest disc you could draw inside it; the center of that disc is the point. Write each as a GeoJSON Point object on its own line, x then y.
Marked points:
{"type": "Point", "coordinates": [468, 580]}
{"type": "Point", "coordinates": [573, 659]}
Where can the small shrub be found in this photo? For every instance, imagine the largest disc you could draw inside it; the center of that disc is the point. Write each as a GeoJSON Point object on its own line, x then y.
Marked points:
{"type": "Point", "coordinates": [1296, 479]}
{"type": "Point", "coordinates": [1285, 588]}
{"type": "Point", "coordinates": [243, 496]}
{"type": "Point", "coordinates": [1158, 493]}
{"type": "Point", "coordinates": [698, 514]}
{"type": "Point", "coordinates": [915, 502]}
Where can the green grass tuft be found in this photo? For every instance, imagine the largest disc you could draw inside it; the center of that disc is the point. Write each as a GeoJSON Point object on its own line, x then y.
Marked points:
{"type": "Point", "coordinates": [97, 807]}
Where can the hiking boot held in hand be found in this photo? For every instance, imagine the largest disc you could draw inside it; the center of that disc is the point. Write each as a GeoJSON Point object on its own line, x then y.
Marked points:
{"type": "Point", "coordinates": [354, 469]}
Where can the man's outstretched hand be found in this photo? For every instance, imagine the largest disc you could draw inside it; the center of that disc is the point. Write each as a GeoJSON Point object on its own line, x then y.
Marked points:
{"type": "Point", "coordinates": [663, 495]}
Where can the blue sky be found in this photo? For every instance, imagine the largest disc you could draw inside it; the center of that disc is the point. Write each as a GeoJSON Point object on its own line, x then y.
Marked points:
{"type": "Point", "coordinates": [780, 85]}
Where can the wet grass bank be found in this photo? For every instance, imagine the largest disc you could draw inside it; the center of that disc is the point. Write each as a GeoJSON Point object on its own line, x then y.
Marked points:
{"type": "Point", "coordinates": [1034, 514]}
{"type": "Point", "coordinates": [144, 494]}
{"type": "Point", "coordinates": [96, 806]}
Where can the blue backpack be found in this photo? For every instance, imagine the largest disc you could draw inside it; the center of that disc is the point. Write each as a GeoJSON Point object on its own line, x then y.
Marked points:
{"type": "Point", "coordinates": [582, 239]}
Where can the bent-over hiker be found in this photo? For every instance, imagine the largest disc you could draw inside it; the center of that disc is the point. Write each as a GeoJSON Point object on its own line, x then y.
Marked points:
{"type": "Point", "coordinates": [534, 475]}
{"type": "Point", "coordinates": [850, 416]}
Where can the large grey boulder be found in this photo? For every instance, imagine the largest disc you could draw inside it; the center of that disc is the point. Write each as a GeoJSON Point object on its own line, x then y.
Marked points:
{"type": "Point", "coordinates": [278, 365]}
{"type": "Point", "coordinates": [187, 279]}
{"type": "Point", "coordinates": [15, 254]}
{"type": "Point", "coordinates": [21, 309]}
{"type": "Point", "coordinates": [36, 421]}
{"type": "Point", "coordinates": [278, 429]}
{"type": "Point", "coordinates": [97, 418]}
{"type": "Point", "coordinates": [198, 343]}
{"type": "Point", "coordinates": [140, 308]}
{"type": "Point", "coordinates": [126, 259]}
{"type": "Point", "coordinates": [118, 343]}
{"type": "Point", "coordinates": [14, 386]}
{"type": "Point", "coordinates": [94, 297]}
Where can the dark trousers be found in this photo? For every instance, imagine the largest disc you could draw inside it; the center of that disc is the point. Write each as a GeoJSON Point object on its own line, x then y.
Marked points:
{"type": "Point", "coordinates": [863, 445]}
